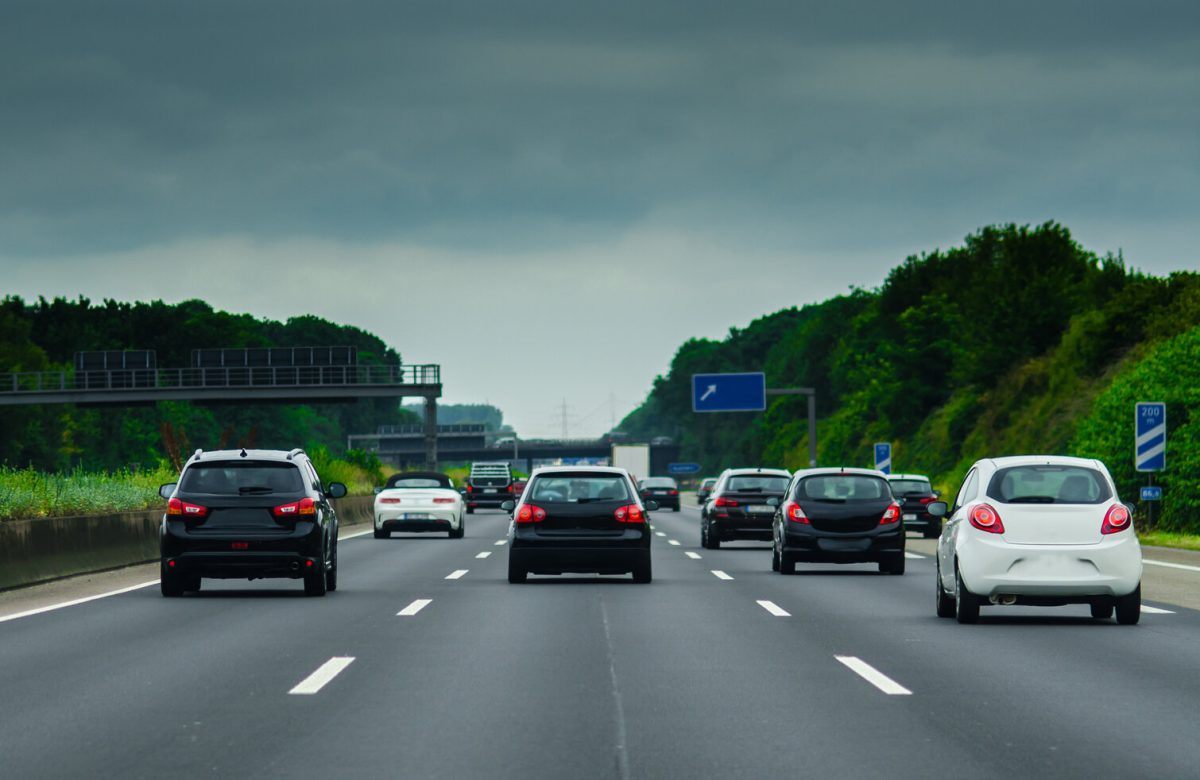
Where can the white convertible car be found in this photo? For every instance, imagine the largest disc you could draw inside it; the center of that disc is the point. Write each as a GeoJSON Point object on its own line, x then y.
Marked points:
{"type": "Point", "coordinates": [1042, 531]}
{"type": "Point", "coordinates": [419, 501]}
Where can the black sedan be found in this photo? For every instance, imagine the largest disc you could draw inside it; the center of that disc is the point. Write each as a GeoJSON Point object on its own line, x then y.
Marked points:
{"type": "Point", "coordinates": [838, 516]}
{"type": "Point", "coordinates": [705, 489]}
{"type": "Point", "coordinates": [662, 490]}
{"type": "Point", "coordinates": [741, 506]}
{"type": "Point", "coordinates": [579, 519]}
{"type": "Point", "coordinates": [915, 494]}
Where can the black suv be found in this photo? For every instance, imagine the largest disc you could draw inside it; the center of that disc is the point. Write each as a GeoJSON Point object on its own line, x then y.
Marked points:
{"type": "Point", "coordinates": [915, 494]}
{"type": "Point", "coordinates": [838, 516]}
{"type": "Point", "coordinates": [741, 506]}
{"type": "Point", "coordinates": [249, 514]}
{"type": "Point", "coordinates": [489, 484]}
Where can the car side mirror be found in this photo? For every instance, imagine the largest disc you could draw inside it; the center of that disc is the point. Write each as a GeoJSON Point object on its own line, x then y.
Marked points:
{"type": "Point", "coordinates": [651, 506]}
{"type": "Point", "coordinates": [378, 490]}
{"type": "Point", "coordinates": [937, 508]}
{"type": "Point", "coordinates": [335, 490]}
{"type": "Point", "coordinates": [772, 501]}
{"type": "Point", "coordinates": [168, 489]}
{"type": "Point", "coordinates": [509, 506]}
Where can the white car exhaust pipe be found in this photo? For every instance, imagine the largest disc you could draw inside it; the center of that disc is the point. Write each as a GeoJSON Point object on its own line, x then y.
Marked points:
{"type": "Point", "coordinates": [1007, 599]}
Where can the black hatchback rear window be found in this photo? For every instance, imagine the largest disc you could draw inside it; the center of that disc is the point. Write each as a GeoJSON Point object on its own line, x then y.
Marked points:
{"type": "Point", "coordinates": [843, 488]}
{"type": "Point", "coordinates": [234, 478]}
{"type": "Point", "coordinates": [578, 488]}
{"type": "Point", "coordinates": [760, 483]}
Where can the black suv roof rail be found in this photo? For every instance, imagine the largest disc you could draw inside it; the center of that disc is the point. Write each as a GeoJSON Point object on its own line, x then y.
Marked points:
{"type": "Point", "coordinates": [295, 452]}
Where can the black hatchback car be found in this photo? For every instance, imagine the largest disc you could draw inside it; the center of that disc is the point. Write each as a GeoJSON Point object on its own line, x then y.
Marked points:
{"type": "Point", "coordinates": [838, 516]}
{"type": "Point", "coordinates": [662, 490]}
{"type": "Point", "coordinates": [741, 506]}
{"type": "Point", "coordinates": [914, 494]}
{"type": "Point", "coordinates": [579, 519]}
{"type": "Point", "coordinates": [249, 514]}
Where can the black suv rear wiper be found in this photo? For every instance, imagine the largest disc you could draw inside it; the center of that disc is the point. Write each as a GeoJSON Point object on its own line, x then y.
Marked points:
{"type": "Point", "coordinates": [1031, 500]}
{"type": "Point", "coordinates": [254, 489]}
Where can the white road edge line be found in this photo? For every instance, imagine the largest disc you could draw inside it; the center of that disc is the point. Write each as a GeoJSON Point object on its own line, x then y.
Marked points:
{"type": "Point", "coordinates": [913, 556]}
{"type": "Point", "coordinates": [414, 608]}
{"type": "Point", "coordinates": [692, 555]}
{"type": "Point", "coordinates": [73, 602]}
{"type": "Point", "coordinates": [456, 574]}
{"type": "Point", "coordinates": [774, 609]}
{"type": "Point", "coordinates": [1183, 566]}
{"type": "Point", "coordinates": [320, 678]}
{"type": "Point", "coordinates": [483, 554]}
{"type": "Point", "coordinates": [501, 541]}
{"type": "Point", "coordinates": [873, 676]}
{"type": "Point", "coordinates": [355, 536]}
{"type": "Point", "coordinates": [723, 576]}
{"type": "Point", "coordinates": [1156, 611]}
{"type": "Point", "coordinates": [672, 541]}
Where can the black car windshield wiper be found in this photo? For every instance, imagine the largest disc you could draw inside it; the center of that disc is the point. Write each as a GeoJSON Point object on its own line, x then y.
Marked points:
{"type": "Point", "coordinates": [254, 489]}
{"type": "Point", "coordinates": [1031, 500]}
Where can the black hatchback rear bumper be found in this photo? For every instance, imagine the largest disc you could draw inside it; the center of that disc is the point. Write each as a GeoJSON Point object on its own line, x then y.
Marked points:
{"type": "Point", "coordinates": [806, 544]}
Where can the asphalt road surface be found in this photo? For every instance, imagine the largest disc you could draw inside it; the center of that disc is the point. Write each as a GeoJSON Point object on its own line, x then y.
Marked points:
{"type": "Point", "coordinates": [427, 663]}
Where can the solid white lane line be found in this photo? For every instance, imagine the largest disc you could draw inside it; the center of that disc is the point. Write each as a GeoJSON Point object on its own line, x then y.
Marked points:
{"type": "Point", "coordinates": [672, 541]}
{"type": "Point", "coordinates": [456, 574]}
{"type": "Point", "coordinates": [1183, 566]}
{"type": "Point", "coordinates": [913, 556]}
{"type": "Point", "coordinates": [1156, 611]}
{"type": "Point", "coordinates": [414, 608]}
{"type": "Point", "coordinates": [722, 576]}
{"type": "Point", "coordinates": [320, 678]}
{"type": "Point", "coordinates": [483, 555]}
{"type": "Point", "coordinates": [73, 602]}
{"type": "Point", "coordinates": [659, 533]}
{"type": "Point", "coordinates": [873, 676]}
{"type": "Point", "coordinates": [692, 555]}
{"type": "Point", "coordinates": [774, 609]}
{"type": "Point", "coordinates": [355, 536]}
{"type": "Point", "coordinates": [501, 541]}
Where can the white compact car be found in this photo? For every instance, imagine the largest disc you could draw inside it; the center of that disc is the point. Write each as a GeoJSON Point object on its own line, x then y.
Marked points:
{"type": "Point", "coordinates": [1043, 531]}
{"type": "Point", "coordinates": [419, 501]}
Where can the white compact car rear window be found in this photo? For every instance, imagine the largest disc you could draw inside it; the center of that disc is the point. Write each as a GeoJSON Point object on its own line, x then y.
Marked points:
{"type": "Point", "coordinates": [1047, 484]}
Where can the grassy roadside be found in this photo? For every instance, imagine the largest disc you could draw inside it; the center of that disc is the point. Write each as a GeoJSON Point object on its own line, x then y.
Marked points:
{"type": "Point", "coordinates": [1168, 539]}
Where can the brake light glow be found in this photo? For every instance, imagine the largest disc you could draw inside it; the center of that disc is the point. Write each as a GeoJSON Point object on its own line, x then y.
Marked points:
{"type": "Point", "coordinates": [722, 501]}
{"type": "Point", "coordinates": [389, 501]}
{"type": "Point", "coordinates": [530, 513]}
{"type": "Point", "coordinates": [890, 515]}
{"type": "Point", "coordinates": [928, 499]}
{"type": "Point", "coordinates": [1115, 520]}
{"type": "Point", "coordinates": [672, 492]}
{"type": "Point", "coordinates": [986, 518]}
{"type": "Point", "coordinates": [444, 500]}
{"type": "Point", "coordinates": [630, 513]}
{"type": "Point", "coordinates": [182, 508]}
{"type": "Point", "coordinates": [794, 513]}
{"type": "Point", "coordinates": [304, 506]}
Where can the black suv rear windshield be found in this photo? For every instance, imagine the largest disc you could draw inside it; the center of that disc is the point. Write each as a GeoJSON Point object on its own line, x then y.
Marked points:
{"type": "Point", "coordinates": [901, 487]}
{"type": "Point", "coordinates": [233, 478]}
{"type": "Point", "coordinates": [762, 483]}
{"type": "Point", "coordinates": [578, 488]}
{"type": "Point", "coordinates": [658, 482]}
{"type": "Point", "coordinates": [1046, 484]}
{"type": "Point", "coordinates": [843, 488]}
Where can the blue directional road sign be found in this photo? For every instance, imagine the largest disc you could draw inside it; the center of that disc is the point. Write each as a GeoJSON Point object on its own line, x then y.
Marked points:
{"type": "Point", "coordinates": [1152, 493]}
{"type": "Point", "coordinates": [883, 457]}
{"type": "Point", "coordinates": [683, 468]}
{"type": "Point", "coordinates": [1150, 427]}
{"type": "Point", "coordinates": [729, 392]}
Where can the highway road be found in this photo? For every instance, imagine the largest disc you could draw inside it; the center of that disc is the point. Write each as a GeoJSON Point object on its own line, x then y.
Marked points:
{"type": "Point", "coordinates": [426, 663]}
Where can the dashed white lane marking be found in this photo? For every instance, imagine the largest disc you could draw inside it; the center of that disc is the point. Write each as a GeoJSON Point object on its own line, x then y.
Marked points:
{"type": "Point", "coordinates": [692, 555]}
{"type": "Point", "coordinates": [456, 574]}
{"type": "Point", "coordinates": [659, 533]}
{"type": "Point", "coordinates": [355, 536]}
{"type": "Point", "coordinates": [320, 678]}
{"type": "Point", "coordinates": [414, 608]}
{"type": "Point", "coordinates": [723, 576]}
{"type": "Point", "coordinates": [1156, 611]}
{"type": "Point", "coordinates": [483, 555]}
{"type": "Point", "coordinates": [1183, 566]}
{"type": "Point", "coordinates": [501, 541]}
{"type": "Point", "coordinates": [913, 556]}
{"type": "Point", "coordinates": [672, 541]}
{"type": "Point", "coordinates": [873, 676]}
{"type": "Point", "coordinates": [774, 609]}
{"type": "Point", "coordinates": [73, 602]}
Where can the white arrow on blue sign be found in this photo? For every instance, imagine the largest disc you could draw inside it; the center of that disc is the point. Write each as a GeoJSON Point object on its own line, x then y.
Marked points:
{"type": "Point", "coordinates": [1150, 443]}
{"type": "Point", "coordinates": [683, 468]}
{"type": "Point", "coordinates": [883, 457]}
{"type": "Point", "coordinates": [729, 392]}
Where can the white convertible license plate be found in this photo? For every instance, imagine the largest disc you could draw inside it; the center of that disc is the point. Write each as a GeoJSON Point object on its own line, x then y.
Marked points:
{"type": "Point", "coordinates": [910, 517]}
{"type": "Point", "coordinates": [417, 516]}
{"type": "Point", "coordinates": [760, 509]}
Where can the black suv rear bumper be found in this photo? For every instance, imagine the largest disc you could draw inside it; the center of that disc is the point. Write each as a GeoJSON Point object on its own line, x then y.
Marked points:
{"type": "Point", "coordinates": [242, 565]}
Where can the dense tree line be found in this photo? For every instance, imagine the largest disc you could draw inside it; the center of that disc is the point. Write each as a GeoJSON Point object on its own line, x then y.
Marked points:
{"type": "Point", "coordinates": [44, 335]}
{"type": "Point", "coordinates": [999, 346]}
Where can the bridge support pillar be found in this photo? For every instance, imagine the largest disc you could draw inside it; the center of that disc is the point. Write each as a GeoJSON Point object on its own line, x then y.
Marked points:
{"type": "Point", "coordinates": [431, 433]}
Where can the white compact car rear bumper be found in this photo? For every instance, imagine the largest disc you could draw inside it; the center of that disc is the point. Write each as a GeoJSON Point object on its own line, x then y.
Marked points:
{"type": "Point", "coordinates": [991, 567]}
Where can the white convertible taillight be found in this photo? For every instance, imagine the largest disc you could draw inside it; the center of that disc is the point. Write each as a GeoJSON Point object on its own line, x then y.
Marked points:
{"type": "Point", "coordinates": [1115, 520]}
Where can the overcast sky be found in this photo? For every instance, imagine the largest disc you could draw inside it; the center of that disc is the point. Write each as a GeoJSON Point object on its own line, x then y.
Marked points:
{"type": "Point", "coordinates": [548, 200]}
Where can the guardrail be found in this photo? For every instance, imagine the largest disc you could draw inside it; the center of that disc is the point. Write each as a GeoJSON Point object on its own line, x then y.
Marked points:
{"type": "Point", "coordinates": [414, 430]}
{"type": "Point", "coordinates": [174, 378]}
